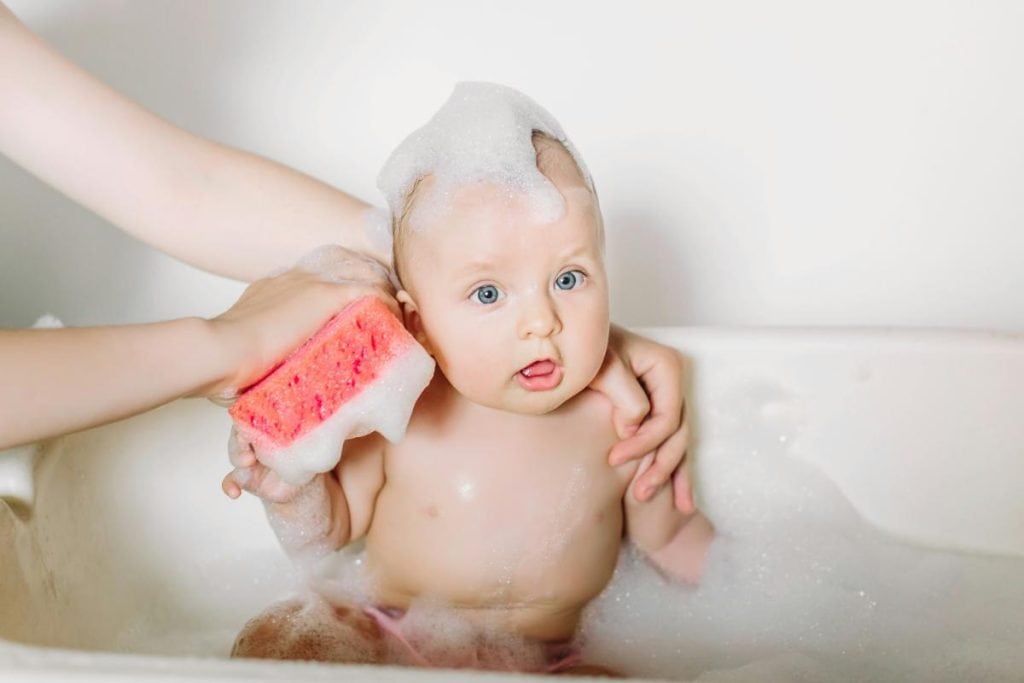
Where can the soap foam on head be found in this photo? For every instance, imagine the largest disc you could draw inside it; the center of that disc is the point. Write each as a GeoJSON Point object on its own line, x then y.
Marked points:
{"type": "Point", "coordinates": [483, 133]}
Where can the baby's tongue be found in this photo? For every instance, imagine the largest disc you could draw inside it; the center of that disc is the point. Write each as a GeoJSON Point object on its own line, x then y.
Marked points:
{"type": "Point", "coordinates": [541, 367]}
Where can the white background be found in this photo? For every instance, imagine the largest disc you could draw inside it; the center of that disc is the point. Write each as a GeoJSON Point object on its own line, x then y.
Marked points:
{"type": "Point", "coordinates": [759, 163]}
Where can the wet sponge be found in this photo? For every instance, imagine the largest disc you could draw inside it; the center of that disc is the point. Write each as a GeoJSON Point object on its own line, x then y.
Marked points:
{"type": "Point", "coordinates": [361, 372]}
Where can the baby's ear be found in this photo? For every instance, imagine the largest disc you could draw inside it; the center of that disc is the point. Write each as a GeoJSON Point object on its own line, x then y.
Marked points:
{"type": "Point", "coordinates": [411, 318]}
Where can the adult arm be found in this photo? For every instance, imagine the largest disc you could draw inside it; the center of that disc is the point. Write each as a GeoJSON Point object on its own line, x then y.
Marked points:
{"type": "Point", "coordinates": [61, 380]}
{"type": "Point", "coordinates": [217, 208]}
{"type": "Point", "coordinates": [242, 216]}
{"type": "Point", "coordinates": [58, 381]}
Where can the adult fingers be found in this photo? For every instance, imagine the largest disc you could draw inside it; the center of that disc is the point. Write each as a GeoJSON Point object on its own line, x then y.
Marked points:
{"type": "Point", "coordinates": [682, 490]}
{"type": "Point", "coordinates": [668, 457]}
{"type": "Point", "coordinates": [629, 402]}
{"type": "Point", "coordinates": [661, 424]}
{"type": "Point", "coordinates": [361, 275]}
{"type": "Point", "coordinates": [358, 291]}
{"type": "Point", "coordinates": [661, 380]}
{"type": "Point", "coordinates": [337, 264]}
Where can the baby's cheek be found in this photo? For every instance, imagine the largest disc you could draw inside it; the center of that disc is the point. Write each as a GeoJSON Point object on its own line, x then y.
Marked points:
{"type": "Point", "coordinates": [474, 375]}
{"type": "Point", "coordinates": [592, 351]}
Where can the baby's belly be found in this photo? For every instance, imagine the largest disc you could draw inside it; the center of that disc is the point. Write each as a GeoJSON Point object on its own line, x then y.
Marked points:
{"type": "Point", "coordinates": [498, 564]}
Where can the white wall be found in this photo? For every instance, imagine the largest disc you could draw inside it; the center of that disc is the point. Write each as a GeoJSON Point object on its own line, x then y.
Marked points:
{"type": "Point", "coordinates": [783, 163]}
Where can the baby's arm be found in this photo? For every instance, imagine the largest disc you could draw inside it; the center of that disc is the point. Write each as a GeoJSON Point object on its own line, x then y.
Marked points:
{"type": "Point", "coordinates": [332, 510]}
{"type": "Point", "coordinates": [220, 209]}
{"type": "Point", "coordinates": [676, 542]}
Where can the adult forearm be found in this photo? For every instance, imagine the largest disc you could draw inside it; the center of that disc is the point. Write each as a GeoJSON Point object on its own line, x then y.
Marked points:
{"type": "Point", "coordinates": [220, 209]}
{"type": "Point", "coordinates": [59, 381]}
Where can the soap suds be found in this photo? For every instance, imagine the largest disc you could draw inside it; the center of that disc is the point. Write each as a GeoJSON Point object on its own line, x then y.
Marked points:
{"type": "Point", "coordinates": [483, 133]}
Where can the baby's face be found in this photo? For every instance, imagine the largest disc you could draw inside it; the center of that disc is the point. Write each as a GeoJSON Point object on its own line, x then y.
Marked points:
{"type": "Point", "coordinates": [515, 312]}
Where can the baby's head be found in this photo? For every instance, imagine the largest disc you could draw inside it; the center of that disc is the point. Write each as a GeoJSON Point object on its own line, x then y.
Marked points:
{"type": "Point", "coordinates": [499, 248]}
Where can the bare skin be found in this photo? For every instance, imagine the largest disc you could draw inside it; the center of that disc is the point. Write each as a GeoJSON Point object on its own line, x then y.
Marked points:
{"type": "Point", "coordinates": [530, 524]}
{"type": "Point", "coordinates": [526, 563]}
{"type": "Point", "coordinates": [500, 502]}
{"type": "Point", "coordinates": [51, 375]}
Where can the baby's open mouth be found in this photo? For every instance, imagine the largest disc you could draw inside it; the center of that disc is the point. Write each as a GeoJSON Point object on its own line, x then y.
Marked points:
{"type": "Point", "coordinates": [540, 375]}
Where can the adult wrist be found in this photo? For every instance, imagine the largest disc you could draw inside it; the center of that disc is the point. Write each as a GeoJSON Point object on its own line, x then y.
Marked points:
{"type": "Point", "coordinates": [216, 359]}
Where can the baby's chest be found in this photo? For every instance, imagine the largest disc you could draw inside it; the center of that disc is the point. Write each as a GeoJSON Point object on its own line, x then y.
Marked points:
{"type": "Point", "coordinates": [476, 511]}
{"type": "Point", "coordinates": [533, 471]}
{"type": "Point", "coordinates": [471, 469]}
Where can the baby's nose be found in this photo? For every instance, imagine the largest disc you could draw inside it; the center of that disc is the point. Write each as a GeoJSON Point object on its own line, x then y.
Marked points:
{"type": "Point", "coordinates": [539, 319]}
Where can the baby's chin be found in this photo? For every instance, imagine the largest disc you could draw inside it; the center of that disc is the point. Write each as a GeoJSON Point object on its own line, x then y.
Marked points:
{"type": "Point", "coordinates": [518, 400]}
{"type": "Point", "coordinates": [537, 402]}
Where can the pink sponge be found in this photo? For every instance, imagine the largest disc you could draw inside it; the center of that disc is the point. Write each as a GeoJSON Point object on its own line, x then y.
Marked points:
{"type": "Point", "coordinates": [361, 372]}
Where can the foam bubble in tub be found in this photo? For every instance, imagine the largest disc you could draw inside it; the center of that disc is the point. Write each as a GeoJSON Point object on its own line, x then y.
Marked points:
{"type": "Point", "coordinates": [361, 372]}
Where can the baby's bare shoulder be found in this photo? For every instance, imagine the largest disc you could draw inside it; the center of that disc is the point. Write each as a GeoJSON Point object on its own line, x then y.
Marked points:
{"type": "Point", "coordinates": [588, 415]}
{"type": "Point", "coordinates": [591, 407]}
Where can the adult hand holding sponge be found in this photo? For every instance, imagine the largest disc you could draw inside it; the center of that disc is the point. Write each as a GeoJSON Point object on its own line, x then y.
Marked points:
{"type": "Point", "coordinates": [361, 372]}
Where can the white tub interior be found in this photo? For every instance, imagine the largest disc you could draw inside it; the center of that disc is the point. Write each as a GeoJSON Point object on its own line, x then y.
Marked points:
{"type": "Point", "coordinates": [757, 166]}
{"type": "Point", "coordinates": [130, 547]}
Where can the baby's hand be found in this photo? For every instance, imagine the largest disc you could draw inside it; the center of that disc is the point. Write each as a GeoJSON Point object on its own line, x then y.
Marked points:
{"type": "Point", "coordinates": [253, 476]}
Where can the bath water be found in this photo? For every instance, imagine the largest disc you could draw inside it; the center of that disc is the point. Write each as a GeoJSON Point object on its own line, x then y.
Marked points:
{"type": "Point", "coordinates": [797, 586]}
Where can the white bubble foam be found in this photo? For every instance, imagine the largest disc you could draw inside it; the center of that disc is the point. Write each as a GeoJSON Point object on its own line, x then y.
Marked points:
{"type": "Point", "coordinates": [443, 637]}
{"type": "Point", "coordinates": [47, 321]}
{"type": "Point", "coordinates": [304, 529]}
{"type": "Point", "coordinates": [337, 264]}
{"type": "Point", "coordinates": [483, 133]}
{"type": "Point", "coordinates": [798, 586]}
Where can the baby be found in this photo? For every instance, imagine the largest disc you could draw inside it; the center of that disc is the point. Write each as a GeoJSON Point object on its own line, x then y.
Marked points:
{"type": "Point", "coordinates": [498, 244]}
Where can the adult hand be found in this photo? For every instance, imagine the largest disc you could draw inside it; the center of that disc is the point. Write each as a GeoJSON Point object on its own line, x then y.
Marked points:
{"type": "Point", "coordinates": [644, 381]}
{"type": "Point", "coordinates": [276, 314]}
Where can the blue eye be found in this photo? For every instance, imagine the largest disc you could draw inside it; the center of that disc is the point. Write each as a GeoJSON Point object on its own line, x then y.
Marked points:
{"type": "Point", "coordinates": [487, 294]}
{"type": "Point", "coordinates": [570, 280]}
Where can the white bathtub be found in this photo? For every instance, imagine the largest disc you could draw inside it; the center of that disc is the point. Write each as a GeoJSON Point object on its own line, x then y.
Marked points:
{"type": "Point", "coordinates": [130, 564]}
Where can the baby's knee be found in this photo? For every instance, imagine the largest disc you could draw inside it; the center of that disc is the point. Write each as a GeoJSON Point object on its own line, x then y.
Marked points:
{"type": "Point", "coordinates": [311, 630]}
